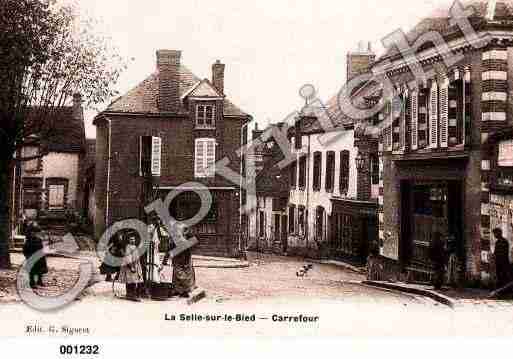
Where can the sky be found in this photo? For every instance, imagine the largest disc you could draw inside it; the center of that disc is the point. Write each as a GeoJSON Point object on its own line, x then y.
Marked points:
{"type": "Point", "coordinates": [270, 48]}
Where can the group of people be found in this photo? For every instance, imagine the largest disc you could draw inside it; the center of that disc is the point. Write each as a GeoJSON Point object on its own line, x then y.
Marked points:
{"type": "Point", "coordinates": [443, 256]}
{"type": "Point", "coordinates": [139, 272]}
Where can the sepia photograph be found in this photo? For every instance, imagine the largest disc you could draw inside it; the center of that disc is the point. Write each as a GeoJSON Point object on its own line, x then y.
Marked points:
{"type": "Point", "coordinates": [239, 169]}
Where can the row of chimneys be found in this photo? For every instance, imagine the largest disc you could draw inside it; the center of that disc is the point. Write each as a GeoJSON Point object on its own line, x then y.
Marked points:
{"type": "Point", "coordinates": [168, 67]}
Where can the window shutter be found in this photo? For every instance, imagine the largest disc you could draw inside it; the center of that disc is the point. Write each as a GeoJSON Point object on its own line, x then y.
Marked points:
{"type": "Point", "coordinates": [210, 158]}
{"type": "Point", "coordinates": [389, 137]}
{"type": "Point", "coordinates": [344, 172]}
{"type": "Point", "coordinates": [200, 158]}
{"type": "Point", "coordinates": [404, 120]}
{"type": "Point", "coordinates": [156, 156]}
{"type": "Point", "coordinates": [414, 106]}
{"type": "Point", "coordinates": [433, 115]}
{"type": "Point", "coordinates": [444, 113]}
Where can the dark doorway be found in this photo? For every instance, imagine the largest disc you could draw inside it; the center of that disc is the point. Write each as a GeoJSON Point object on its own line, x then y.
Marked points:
{"type": "Point", "coordinates": [284, 234]}
{"type": "Point", "coordinates": [277, 231]}
{"type": "Point", "coordinates": [428, 207]}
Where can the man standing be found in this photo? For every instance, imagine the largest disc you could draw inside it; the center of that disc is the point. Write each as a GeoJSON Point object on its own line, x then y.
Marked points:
{"type": "Point", "coordinates": [33, 245]}
{"type": "Point", "coordinates": [502, 264]}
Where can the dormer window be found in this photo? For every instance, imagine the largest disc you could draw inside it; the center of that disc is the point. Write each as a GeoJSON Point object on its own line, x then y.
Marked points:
{"type": "Point", "coordinates": [205, 115]}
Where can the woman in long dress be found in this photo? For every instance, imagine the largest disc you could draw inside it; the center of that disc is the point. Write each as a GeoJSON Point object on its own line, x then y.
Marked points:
{"type": "Point", "coordinates": [184, 277]}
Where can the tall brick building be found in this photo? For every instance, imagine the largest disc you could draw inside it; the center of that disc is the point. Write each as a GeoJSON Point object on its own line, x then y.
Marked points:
{"type": "Point", "coordinates": [168, 131]}
{"type": "Point", "coordinates": [436, 169]}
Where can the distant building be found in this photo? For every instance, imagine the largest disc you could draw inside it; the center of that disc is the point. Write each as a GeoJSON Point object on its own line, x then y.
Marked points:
{"type": "Point", "coordinates": [50, 187]}
{"type": "Point", "coordinates": [323, 204]}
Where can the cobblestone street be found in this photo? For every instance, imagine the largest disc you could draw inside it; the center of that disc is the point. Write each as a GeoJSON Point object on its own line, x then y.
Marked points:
{"type": "Point", "coordinates": [268, 286]}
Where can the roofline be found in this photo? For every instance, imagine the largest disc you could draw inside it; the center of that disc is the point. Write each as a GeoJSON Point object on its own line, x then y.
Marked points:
{"type": "Point", "coordinates": [484, 32]}
{"type": "Point", "coordinates": [158, 115]}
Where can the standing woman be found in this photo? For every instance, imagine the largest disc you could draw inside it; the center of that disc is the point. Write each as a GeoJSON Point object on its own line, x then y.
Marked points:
{"type": "Point", "coordinates": [131, 270]}
{"type": "Point", "coordinates": [184, 277]}
{"type": "Point", "coordinates": [34, 244]}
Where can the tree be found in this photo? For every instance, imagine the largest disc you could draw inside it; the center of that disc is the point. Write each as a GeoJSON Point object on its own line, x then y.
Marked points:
{"type": "Point", "coordinates": [48, 52]}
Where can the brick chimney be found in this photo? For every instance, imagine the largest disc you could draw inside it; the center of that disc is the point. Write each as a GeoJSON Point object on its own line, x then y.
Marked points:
{"type": "Point", "coordinates": [218, 76]}
{"type": "Point", "coordinates": [168, 66]}
{"type": "Point", "coordinates": [360, 60]}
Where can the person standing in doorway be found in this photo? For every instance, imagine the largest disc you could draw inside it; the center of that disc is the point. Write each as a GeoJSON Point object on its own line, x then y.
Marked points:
{"type": "Point", "coordinates": [438, 254]}
{"type": "Point", "coordinates": [502, 263]}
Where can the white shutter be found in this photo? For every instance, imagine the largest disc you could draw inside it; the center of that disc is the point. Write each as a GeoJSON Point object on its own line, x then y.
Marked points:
{"type": "Point", "coordinates": [414, 107]}
{"type": "Point", "coordinates": [444, 113]}
{"type": "Point", "coordinates": [210, 158]}
{"type": "Point", "coordinates": [404, 120]}
{"type": "Point", "coordinates": [199, 159]}
{"type": "Point", "coordinates": [156, 156]}
{"type": "Point", "coordinates": [204, 161]}
{"type": "Point", "coordinates": [464, 113]}
{"type": "Point", "coordinates": [389, 138]}
{"type": "Point", "coordinates": [433, 116]}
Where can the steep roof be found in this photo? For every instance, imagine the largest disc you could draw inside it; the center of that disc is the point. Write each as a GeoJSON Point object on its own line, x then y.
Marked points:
{"type": "Point", "coordinates": [63, 129]}
{"type": "Point", "coordinates": [143, 98]}
{"type": "Point", "coordinates": [272, 180]}
{"type": "Point", "coordinates": [204, 88]}
{"type": "Point", "coordinates": [483, 12]}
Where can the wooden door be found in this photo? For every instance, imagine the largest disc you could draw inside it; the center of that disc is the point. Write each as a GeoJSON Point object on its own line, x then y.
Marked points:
{"type": "Point", "coordinates": [429, 216]}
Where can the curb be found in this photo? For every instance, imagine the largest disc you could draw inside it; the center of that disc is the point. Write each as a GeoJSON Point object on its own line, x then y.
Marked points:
{"type": "Point", "coordinates": [340, 264]}
{"type": "Point", "coordinates": [239, 265]}
{"type": "Point", "coordinates": [440, 298]}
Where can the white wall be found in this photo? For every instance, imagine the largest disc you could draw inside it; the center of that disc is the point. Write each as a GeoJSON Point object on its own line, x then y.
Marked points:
{"type": "Point", "coordinates": [60, 165]}
{"type": "Point", "coordinates": [263, 204]}
{"type": "Point", "coordinates": [337, 142]}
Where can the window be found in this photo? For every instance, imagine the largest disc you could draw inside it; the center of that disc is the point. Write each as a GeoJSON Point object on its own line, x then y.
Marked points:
{"type": "Point", "coordinates": [344, 172]}
{"type": "Point", "coordinates": [56, 197]}
{"type": "Point", "coordinates": [32, 165]}
{"type": "Point", "coordinates": [302, 173]}
{"type": "Point", "coordinates": [150, 156]}
{"type": "Point", "coordinates": [293, 175]}
{"type": "Point", "coordinates": [317, 171]}
{"type": "Point", "coordinates": [505, 153]}
{"type": "Point", "coordinates": [330, 171]}
{"type": "Point", "coordinates": [57, 193]}
{"type": "Point", "coordinates": [302, 220]}
{"type": "Point", "coordinates": [292, 219]}
{"type": "Point", "coordinates": [375, 169]}
{"type": "Point", "coordinates": [205, 157]}
{"type": "Point", "coordinates": [298, 135]}
{"type": "Point", "coordinates": [261, 221]}
{"type": "Point", "coordinates": [32, 189]}
{"type": "Point", "coordinates": [205, 115]}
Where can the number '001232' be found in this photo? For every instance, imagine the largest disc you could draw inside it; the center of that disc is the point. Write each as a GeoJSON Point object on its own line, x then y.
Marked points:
{"type": "Point", "coordinates": [79, 350]}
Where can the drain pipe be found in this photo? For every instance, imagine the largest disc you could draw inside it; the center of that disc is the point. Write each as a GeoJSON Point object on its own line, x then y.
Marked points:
{"type": "Point", "coordinates": [107, 206]}
{"type": "Point", "coordinates": [307, 209]}
{"type": "Point", "coordinates": [242, 177]}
